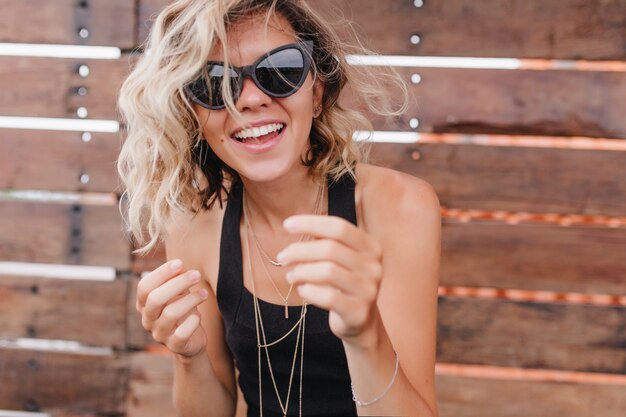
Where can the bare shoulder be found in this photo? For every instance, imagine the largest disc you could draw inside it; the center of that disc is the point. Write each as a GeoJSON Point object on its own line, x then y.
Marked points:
{"type": "Point", "coordinates": [388, 199]}
{"type": "Point", "coordinates": [195, 240]}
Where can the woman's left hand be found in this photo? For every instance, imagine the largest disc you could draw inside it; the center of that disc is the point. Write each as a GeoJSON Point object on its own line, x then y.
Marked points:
{"type": "Point", "coordinates": [340, 270]}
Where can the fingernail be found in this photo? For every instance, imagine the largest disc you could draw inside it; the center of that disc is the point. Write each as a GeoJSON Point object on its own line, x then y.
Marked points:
{"type": "Point", "coordinates": [289, 276]}
{"type": "Point", "coordinates": [194, 276]}
{"type": "Point", "coordinates": [175, 264]}
{"type": "Point", "coordinates": [290, 223]}
{"type": "Point", "coordinates": [203, 293]}
{"type": "Point", "coordinates": [280, 257]}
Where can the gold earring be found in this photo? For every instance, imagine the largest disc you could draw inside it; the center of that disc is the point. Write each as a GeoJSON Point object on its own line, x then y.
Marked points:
{"type": "Point", "coordinates": [317, 111]}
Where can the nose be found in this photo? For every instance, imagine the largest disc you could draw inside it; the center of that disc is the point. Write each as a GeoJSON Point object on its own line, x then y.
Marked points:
{"type": "Point", "coordinates": [251, 96]}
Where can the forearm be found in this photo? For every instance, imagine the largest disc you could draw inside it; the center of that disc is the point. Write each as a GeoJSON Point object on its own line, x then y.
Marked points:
{"type": "Point", "coordinates": [371, 370]}
{"type": "Point", "coordinates": [197, 390]}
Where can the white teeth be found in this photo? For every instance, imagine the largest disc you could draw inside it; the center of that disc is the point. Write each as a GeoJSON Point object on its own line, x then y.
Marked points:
{"type": "Point", "coordinates": [258, 131]}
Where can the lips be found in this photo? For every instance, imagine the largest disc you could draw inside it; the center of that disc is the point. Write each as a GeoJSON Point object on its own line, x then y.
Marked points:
{"type": "Point", "coordinates": [256, 135]}
{"type": "Point", "coordinates": [256, 124]}
{"type": "Point", "coordinates": [261, 133]}
{"type": "Point", "coordinates": [259, 145]}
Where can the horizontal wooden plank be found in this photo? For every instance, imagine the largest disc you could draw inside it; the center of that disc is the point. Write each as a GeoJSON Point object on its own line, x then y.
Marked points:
{"type": "Point", "coordinates": [108, 22]}
{"type": "Point", "coordinates": [63, 383]}
{"type": "Point", "coordinates": [531, 335]}
{"type": "Point", "coordinates": [48, 87]}
{"type": "Point", "coordinates": [63, 234]}
{"type": "Point", "coordinates": [541, 257]}
{"type": "Point", "coordinates": [90, 312]}
{"type": "Point", "coordinates": [478, 397]}
{"type": "Point", "coordinates": [28, 157]}
{"type": "Point", "coordinates": [567, 29]}
{"type": "Point", "coordinates": [529, 102]}
{"type": "Point", "coordinates": [512, 178]}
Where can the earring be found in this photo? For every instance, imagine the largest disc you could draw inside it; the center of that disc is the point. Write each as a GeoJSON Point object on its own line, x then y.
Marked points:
{"type": "Point", "coordinates": [317, 111]}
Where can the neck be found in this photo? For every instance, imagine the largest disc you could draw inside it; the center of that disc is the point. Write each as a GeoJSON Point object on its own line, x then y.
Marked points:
{"type": "Point", "coordinates": [270, 203]}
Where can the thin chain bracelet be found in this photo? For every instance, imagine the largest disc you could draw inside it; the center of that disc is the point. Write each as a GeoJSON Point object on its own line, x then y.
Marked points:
{"type": "Point", "coordinates": [362, 404]}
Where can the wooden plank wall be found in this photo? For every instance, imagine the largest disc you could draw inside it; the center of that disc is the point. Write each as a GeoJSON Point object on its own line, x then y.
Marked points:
{"type": "Point", "coordinates": [528, 164]}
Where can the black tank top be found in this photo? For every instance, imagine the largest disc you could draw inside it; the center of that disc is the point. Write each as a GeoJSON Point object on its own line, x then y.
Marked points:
{"type": "Point", "coordinates": [325, 376]}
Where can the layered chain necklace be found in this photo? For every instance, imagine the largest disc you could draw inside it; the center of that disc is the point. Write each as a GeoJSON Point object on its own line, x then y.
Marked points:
{"type": "Point", "coordinates": [260, 329]}
{"type": "Point", "coordinates": [285, 298]}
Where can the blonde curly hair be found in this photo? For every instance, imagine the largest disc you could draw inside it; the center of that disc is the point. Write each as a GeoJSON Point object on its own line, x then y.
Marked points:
{"type": "Point", "coordinates": [159, 163]}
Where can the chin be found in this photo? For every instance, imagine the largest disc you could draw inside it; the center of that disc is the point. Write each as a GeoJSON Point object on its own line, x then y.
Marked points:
{"type": "Point", "coordinates": [271, 170]}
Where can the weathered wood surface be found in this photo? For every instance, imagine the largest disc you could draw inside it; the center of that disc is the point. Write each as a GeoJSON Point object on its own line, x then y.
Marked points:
{"type": "Point", "coordinates": [567, 29]}
{"type": "Point", "coordinates": [515, 178]}
{"type": "Point", "coordinates": [48, 87]}
{"type": "Point", "coordinates": [89, 312]}
{"type": "Point", "coordinates": [150, 388]}
{"type": "Point", "coordinates": [531, 335]}
{"type": "Point", "coordinates": [477, 397]}
{"type": "Point", "coordinates": [63, 234]}
{"type": "Point", "coordinates": [542, 257]}
{"type": "Point", "coordinates": [109, 22]}
{"type": "Point", "coordinates": [63, 384]}
{"type": "Point", "coordinates": [28, 157]}
{"type": "Point", "coordinates": [530, 102]}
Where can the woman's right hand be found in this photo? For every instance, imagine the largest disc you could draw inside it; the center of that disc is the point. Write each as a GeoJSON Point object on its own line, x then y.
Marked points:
{"type": "Point", "coordinates": [169, 310]}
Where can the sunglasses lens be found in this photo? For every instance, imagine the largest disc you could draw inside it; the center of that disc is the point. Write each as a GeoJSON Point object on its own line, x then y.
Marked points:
{"type": "Point", "coordinates": [280, 74]}
{"type": "Point", "coordinates": [210, 92]}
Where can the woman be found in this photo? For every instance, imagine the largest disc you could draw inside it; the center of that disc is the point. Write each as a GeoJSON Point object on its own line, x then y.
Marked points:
{"type": "Point", "coordinates": [317, 280]}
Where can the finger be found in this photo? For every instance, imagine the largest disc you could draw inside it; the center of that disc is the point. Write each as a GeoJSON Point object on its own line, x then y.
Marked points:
{"type": "Point", "coordinates": [176, 311]}
{"type": "Point", "coordinates": [164, 294]}
{"type": "Point", "coordinates": [332, 275]}
{"type": "Point", "coordinates": [185, 330]}
{"type": "Point", "coordinates": [319, 250]}
{"type": "Point", "coordinates": [332, 227]}
{"type": "Point", "coordinates": [155, 279]}
{"type": "Point", "coordinates": [328, 298]}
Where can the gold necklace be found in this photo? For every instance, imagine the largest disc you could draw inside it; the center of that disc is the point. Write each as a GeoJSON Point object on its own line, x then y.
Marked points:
{"type": "Point", "coordinates": [318, 201]}
{"type": "Point", "coordinates": [317, 210]}
{"type": "Point", "coordinates": [258, 321]}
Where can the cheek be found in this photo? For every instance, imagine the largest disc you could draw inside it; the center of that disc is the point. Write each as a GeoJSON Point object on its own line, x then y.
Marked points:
{"type": "Point", "coordinates": [213, 125]}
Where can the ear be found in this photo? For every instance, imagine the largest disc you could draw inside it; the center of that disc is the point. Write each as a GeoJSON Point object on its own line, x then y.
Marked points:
{"type": "Point", "coordinates": [318, 92]}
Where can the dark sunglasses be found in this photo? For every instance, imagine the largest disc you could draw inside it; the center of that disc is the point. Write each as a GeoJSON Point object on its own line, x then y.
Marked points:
{"type": "Point", "coordinates": [279, 73]}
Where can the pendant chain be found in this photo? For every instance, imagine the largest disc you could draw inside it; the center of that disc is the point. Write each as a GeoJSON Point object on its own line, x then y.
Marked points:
{"type": "Point", "coordinates": [317, 210]}
{"type": "Point", "coordinates": [259, 323]}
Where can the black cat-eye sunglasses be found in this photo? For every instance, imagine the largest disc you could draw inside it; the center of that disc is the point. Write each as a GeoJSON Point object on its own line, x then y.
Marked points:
{"type": "Point", "coordinates": [279, 73]}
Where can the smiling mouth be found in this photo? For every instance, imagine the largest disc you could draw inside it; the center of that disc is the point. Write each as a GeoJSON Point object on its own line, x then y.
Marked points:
{"type": "Point", "coordinates": [259, 134]}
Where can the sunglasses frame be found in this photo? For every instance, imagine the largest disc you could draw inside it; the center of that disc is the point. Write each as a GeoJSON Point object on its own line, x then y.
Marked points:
{"type": "Point", "coordinates": [305, 48]}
